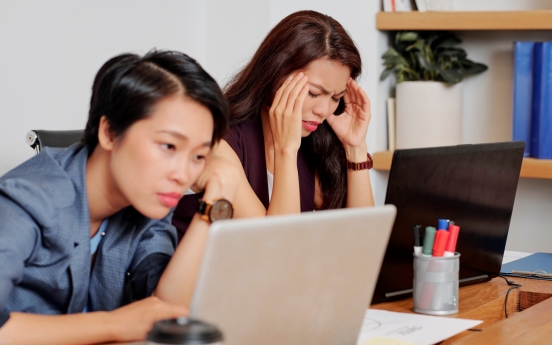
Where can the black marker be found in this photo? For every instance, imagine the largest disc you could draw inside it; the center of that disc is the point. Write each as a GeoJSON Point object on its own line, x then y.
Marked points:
{"type": "Point", "coordinates": [417, 229]}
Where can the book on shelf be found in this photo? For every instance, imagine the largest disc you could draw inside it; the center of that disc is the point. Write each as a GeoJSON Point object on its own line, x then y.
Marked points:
{"type": "Point", "coordinates": [541, 125]}
{"type": "Point", "coordinates": [532, 98]}
{"type": "Point", "coordinates": [438, 5]}
{"type": "Point", "coordinates": [523, 93]}
{"type": "Point", "coordinates": [397, 5]}
{"type": "Point", "coordinates": [421, 5]}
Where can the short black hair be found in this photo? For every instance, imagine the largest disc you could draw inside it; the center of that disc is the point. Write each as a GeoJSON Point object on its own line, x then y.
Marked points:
{"type": "Point", "coordinates": [127, 87]}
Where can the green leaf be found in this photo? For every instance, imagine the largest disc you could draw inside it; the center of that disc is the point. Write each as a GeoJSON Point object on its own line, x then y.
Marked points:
{"type": "Point", "coordinates": [418, 45]}
{"type": "Point", "coordinates": [386, 73]}
{"type": "Point", "coordinates": [428, 55]}
{"type": "Point", "coordinates": [474, 68]}
{"type": "Point", "coordinates": [452, 52]}
{"type": "Point", "coordinates": [451, 76]}
{"type": "Point", "coordinates": [423, 61]}
{"type": "Point", "coordinates": [391, 52]}
{"type": "Point", "coordinates": [448, 42]}
{"type": "Point", "coordinates": [406, 36]}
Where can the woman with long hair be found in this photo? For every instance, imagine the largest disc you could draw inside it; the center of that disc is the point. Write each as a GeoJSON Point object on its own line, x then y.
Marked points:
{"type": "Point", "coordinates": [298, 123]}
{"type": "Point", "coordinates": [85, 232]}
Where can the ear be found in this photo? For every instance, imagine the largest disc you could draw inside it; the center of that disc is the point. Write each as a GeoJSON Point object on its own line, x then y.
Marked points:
{"type": "Point", "coordinates": [106, 139]}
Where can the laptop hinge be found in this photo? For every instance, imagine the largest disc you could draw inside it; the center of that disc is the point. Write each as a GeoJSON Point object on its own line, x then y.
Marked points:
{"type": "Point", "coordinates": [398, 293]}
{"type": "Point", "coordinates": [483, 276]}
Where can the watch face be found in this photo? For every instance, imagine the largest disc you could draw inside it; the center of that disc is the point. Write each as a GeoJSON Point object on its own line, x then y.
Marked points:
{"type": "Point", "coordinates": [221, 209]}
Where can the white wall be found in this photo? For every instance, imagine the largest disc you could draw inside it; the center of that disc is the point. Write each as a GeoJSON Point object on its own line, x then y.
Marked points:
{"type": "Point", "coordinates": [51, 51]}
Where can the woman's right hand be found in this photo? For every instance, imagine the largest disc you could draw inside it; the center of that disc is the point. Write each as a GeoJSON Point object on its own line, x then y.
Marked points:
{"type": "Point", "coordinates": [285, 114]}
{"type": "Point", "coordinates": [134, 321]}
{"type": "Point", "coordinates": [219, 178]}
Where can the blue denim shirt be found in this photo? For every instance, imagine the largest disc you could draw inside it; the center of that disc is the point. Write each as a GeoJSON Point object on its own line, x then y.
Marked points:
{"type": "Point", "coordinates": [45, 262]}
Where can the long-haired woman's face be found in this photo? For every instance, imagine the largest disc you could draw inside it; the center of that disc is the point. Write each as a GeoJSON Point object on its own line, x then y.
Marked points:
{"type": "Point", "coordinates": [327, 84]}
{"type": "Point", "coordinates": [160, 157]}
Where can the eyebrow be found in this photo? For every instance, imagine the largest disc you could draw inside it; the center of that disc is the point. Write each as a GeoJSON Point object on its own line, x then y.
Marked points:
{"type": "Point", "coordinates": [181, 136]}
{"type": "Point", "coordinates": [326, 92]}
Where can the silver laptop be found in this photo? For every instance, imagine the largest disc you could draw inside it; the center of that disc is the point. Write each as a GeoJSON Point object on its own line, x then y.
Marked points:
{"type": "Point", "coordinates": [300, 279]}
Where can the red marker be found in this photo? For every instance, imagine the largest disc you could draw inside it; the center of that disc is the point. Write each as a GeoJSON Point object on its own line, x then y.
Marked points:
{"type": "Point", "coordinates": [453, 238]}
{"type": "Point", "coordinates": [441, 238]}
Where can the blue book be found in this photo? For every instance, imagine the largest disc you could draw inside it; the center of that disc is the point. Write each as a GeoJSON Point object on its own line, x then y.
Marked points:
{"type": "Point", "coordinates": [537, 266]}
{"type": "Point", "coordinates": [541, 127]}
{"type": "Point", "coordinates": [523, 93]}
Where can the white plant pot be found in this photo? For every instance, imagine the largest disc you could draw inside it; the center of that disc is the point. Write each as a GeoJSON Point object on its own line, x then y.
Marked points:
{"type": "Point", "coordinates": [428, 114]}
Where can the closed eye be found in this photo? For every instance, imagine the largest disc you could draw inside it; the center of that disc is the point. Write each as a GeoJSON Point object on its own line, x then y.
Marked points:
{"type": "Point", "coordinates": [313, 95]}
{"type": "Point", "coordinates": [336, 100]}
{"type": "Point", "coordinates": [168, 147]}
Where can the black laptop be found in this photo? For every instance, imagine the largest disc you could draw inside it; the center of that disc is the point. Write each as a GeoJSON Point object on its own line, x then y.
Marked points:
{"type": "Point", "coordinates": [472, 185]}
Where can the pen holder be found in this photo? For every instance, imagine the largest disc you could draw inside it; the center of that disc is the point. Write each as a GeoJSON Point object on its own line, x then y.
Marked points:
{"type": "Point", "coordinates": [436, 284]}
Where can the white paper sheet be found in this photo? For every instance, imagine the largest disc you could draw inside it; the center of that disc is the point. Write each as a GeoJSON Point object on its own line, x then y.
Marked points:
{"type": "Point", "coordinates": [414, 328]}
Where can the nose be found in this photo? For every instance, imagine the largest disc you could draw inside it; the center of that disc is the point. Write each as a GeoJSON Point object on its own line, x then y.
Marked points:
{"type": "Point", "coordinates": [322, 109]}
{"type": "Point", "coordinates": [179, 172]}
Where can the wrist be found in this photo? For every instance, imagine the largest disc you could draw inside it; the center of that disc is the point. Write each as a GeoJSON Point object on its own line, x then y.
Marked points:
{"type": "Point", "coordinates": [112, 325]}
{"type": "Point", "coordinates": [356, 153]}
{"type": "Point", "coordinates": [285, 153]}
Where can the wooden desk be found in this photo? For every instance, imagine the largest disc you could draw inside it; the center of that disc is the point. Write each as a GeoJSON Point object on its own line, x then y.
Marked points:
{"type": "Point", "coordinates": [485, 302]}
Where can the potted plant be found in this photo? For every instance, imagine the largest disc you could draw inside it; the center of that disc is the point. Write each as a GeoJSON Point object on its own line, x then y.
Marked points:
{"type": "Point", "coordinates": [428, 67]}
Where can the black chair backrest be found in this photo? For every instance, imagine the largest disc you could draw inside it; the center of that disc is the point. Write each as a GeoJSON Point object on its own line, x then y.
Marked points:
{"type": "Point", "coordinates": [37, 139]}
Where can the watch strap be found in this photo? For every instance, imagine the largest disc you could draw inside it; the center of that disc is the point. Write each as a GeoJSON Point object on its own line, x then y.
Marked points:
{"type": "Point", "coordinates": [368, 164]}
{"type": "Point", "coordinates": [203, 208]}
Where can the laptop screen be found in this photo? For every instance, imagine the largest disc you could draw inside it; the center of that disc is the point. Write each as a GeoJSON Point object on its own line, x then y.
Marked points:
{"type": "Point", "coordinates": [472, 185]}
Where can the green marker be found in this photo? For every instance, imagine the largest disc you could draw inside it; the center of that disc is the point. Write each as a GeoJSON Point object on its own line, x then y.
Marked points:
{"type": "Point", "coordinates": [429, 237]}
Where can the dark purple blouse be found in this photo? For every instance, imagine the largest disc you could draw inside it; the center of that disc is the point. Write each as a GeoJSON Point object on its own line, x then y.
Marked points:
{"type": "Point", "coordinates": [248, 142]}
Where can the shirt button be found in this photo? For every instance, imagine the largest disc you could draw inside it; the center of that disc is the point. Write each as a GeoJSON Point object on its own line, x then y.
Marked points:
{"type": "Point", "coordinates": [103, 233]}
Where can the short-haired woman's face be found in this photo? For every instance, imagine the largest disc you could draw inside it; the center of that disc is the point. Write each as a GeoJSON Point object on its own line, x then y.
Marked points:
{"type": "Point", "coordinates": [327, 84]}
{"type": "Point", "coordinates": [160, 157]}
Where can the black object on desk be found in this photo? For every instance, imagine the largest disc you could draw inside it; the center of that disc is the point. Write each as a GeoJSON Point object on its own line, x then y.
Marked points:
{"type": "Point", "coordinates": [473, 185]}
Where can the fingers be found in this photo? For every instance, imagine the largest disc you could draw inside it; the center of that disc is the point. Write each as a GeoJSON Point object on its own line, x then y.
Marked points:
{"type": "Point", "coordinates": [278, 95]}
{"type": "Point", "coordinates": [352, 91]}
{"type": "Point", "coordinates": [298, 105]}
{"type": "Point", "coordinates": [357, 96]}
{"type": "Point", "coordinates": [286, 96]}
{"type": "Point", "coordinates": [296, 89]}
{"type": "Point", "coordinates": [363, 101]}
{"type": "Point", "coordinates": [173, 311]}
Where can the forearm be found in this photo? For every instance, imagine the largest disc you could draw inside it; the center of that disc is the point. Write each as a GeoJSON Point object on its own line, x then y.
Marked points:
{"type": "Point", "coordinates": [89, 328]}
{"type": "Point", "coordinates": [359, 188]}
{"type": "Point", "coordinates": [286, 198]}
{"type": "Point", "coordinates": [177, 283]}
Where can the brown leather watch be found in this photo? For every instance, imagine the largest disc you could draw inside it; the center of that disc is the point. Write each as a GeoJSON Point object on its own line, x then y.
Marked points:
{"type": "Point", "coordinates": [368, 164]}
{"type": "Point", "coordinates": [217, 210]}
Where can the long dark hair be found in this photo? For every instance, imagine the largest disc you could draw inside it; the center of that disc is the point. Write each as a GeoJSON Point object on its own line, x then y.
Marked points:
{"type": "Point", "coordinates": [292, 44]}
{"type": "Point", "coordinates": [127, 87]}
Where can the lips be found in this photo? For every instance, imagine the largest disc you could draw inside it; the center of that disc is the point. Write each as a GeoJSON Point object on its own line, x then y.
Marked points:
{"type": "Point", "coordinates": [310, 126]}
{"type": "Point", "coordinates": [169, 199]}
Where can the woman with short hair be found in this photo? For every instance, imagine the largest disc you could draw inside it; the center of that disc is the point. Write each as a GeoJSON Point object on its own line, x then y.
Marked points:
{"type": "Point", "coordinates": [85, 231]}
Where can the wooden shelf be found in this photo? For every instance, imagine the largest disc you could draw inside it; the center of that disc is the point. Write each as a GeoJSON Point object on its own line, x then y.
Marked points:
{"type": "Point", "coordinates": [530, 168]}
{"type": "Point", "coordinates": [510, 20]}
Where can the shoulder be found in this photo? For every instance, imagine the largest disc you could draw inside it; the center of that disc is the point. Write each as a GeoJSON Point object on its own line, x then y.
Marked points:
{"type": "Point", "coordinates": [44, 183]}
{"type": "Point", "coordinates": [241, 132]}
{"type": "Point", "coordinates": [245, 136]}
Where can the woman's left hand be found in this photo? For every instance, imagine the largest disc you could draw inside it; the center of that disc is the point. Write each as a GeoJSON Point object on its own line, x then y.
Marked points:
{"type": "Point", "coordinates": [351, 126]}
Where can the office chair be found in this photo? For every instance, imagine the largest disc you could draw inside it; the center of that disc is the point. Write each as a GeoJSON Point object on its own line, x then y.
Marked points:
{"type": "Point", "coordinates": [40, 138]}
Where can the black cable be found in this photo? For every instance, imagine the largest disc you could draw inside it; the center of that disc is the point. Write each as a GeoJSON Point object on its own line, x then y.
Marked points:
{"type": "Point", "coordinates": [513, 286]}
